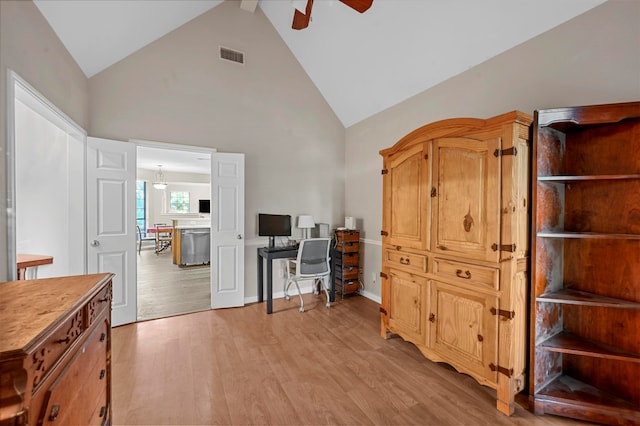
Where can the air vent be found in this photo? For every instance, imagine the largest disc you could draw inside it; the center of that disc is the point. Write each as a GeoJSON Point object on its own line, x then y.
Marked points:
{"type": "Point", "coordinates": [231, 55]}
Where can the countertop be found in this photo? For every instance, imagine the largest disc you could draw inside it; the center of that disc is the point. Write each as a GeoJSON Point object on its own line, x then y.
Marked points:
{"type": "Point", "coordinates": [192, 227]}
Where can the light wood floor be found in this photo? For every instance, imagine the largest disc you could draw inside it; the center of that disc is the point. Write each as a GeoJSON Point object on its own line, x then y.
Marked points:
{"type": "Point", "coordinates": [165, 289]}
{"type": "Point", "coordinates": [241, 366]}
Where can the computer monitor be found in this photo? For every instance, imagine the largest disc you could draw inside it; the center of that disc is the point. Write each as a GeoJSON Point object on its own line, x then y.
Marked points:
{"type": "Point", "coordinates": [274, 225]}
{"type": "Point", "coordinates": [204, 206]}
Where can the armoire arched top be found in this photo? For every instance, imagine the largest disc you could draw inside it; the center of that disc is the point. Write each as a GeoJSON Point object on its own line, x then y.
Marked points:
{"type": "Point", "coordinates": [452, 127]}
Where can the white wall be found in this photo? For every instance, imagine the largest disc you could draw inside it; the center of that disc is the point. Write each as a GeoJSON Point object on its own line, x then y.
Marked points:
{"type": "Point", "coordinates": [29, 47]}
{"type": "Point", "coordinates": [196, 184]}
{"type": "Point", "coordinates": [591, 59]}
{"type": "Point", "coordinates": [49, 169]}
{"type": "Point", "coordinates": [177, 89]}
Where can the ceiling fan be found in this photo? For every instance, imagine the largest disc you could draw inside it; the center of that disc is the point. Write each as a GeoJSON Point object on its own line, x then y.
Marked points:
{"type": "Point", "coordinates": [301, 20]}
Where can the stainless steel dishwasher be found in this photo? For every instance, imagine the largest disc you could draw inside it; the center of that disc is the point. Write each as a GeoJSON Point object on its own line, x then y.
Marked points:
{"type": "Point", "coordinates": [195, 246]}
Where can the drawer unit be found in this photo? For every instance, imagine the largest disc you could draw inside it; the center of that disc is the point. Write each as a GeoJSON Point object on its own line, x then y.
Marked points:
{"type": "Point", "coordinates": [345, 259]}
{"type": "Point", "coordinates": [55, 347]}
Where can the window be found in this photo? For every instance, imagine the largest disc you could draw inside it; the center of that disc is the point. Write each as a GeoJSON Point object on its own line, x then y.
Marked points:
{"type": "Point", "coordinates": [179, 202]}
{"type": "Point", "coordinates": [141, 206]}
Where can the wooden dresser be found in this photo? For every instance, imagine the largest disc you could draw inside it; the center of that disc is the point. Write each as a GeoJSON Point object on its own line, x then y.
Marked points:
{"type": "Point", "coordinates": [455, 246]}
{"type": "Point", "coordinates": [55, 343]}
{"type": "Point", "coordinates": [585, 311]}
{"type": "Point", "coordinates": [345, 257]}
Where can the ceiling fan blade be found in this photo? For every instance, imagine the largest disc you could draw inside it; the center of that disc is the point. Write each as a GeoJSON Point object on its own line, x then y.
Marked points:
{"type": "Point", "coordinates": [359, 5]}
{"type": "Point", "coordinates": [301, 20]}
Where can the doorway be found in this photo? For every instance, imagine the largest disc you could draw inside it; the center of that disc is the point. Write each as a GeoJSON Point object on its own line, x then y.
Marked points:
{"type": "Point", "coordinates": [166, 284]}
{"type": "Point", "coordinates": [92, 247]}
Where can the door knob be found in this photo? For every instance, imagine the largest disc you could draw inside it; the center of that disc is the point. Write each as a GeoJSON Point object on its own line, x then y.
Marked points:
{"type": "Point", "coordinates": [239, 236]}
{"type": "Point", "coordinates": [95, 243]}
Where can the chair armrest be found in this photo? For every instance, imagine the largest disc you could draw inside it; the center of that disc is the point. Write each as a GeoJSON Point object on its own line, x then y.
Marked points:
{"type": "Point", "coordinates": [292, 266]}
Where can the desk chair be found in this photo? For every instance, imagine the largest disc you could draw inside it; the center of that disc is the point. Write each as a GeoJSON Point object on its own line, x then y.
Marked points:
{"type": "Point", "coordinates": [312, 262]}
{"type": "Point", "coordinates": [164, 235]}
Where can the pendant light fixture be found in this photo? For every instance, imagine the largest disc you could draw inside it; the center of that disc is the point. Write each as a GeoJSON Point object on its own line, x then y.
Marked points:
{"type": "Point", "coordinates": [160, 182]}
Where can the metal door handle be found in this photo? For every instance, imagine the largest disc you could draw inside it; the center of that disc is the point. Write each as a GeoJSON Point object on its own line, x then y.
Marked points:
{"type": "Point", "coordinates": [95, 243]}
{"type": "Point", "coordinates": [239, 236]}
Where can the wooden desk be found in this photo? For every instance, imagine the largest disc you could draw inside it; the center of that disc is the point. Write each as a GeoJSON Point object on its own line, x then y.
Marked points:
{"type": "Point", "coordinates": [25, 261]}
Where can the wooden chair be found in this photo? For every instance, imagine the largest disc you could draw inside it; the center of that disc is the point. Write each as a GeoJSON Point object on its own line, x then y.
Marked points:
{"type": "Point", "coordinates": [164, 235]}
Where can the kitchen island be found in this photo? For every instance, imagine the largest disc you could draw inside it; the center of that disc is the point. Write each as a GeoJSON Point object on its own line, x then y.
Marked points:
{"type": "Point", "coordinates": [191, 244]}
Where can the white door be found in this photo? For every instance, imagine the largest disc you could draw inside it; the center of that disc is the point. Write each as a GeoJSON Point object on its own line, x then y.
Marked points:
{"type": "Point", "coordinates": [111, 220]}
{"type": "Point", "coordinates": [227, 230]}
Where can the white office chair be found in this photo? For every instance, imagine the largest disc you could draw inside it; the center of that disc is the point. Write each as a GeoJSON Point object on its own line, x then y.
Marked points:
{"type": "Point", "coordinates": [312, 263]}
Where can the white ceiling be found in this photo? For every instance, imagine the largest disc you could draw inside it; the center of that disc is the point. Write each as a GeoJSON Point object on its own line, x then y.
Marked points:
{"type": "Point", "coordinates": [361, 63]}
{"type": "Point", "coordinates": [173, 160]}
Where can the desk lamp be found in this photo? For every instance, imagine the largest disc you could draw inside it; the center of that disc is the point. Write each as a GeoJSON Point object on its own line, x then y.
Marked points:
{"type": "Point", "coordinates": [305, 222]}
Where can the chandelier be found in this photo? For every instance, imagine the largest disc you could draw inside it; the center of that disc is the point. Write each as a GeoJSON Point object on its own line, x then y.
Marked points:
{"type": "Point", "coordinates": [160, 182]}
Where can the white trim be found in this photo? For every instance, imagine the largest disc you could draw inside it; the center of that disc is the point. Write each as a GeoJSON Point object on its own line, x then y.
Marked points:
{"type": "Point", "coordinates": [174, 146]}
{"type": "Point", "coordinates": [18, 89]}
{"type": "Point", "coordinates": [376, 298]}
{"type": "Point", "coordinates": [372, 242]}
{"type": "Point", "coordinates": [11, 176]}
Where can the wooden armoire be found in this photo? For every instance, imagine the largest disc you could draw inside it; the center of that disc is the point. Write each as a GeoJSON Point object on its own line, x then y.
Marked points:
{"type": "Point", "coordinates": [455, 246]}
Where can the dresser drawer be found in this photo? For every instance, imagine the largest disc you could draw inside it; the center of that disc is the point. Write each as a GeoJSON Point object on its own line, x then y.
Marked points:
{"type": "Point", "coordinates": [404, 260]}
{"type": "Point", "coordinates": [466, 273]}
{"type": "Point", "coordinates": [73, 396]}
{"type": "Point", "coordinates": [98, 304]}
{"type": "Point", "coordinates": [346, 235]}
{"type": "Point", "coordinates": [347, 272]}
{"type": "Point", "coordinates": [347, 286]}
{"type": "Point", "coordinates": [348, 259]}
{"type": "Point", "coordinates": [56, 345]}
{"type": "Point", "coordinates": [348, 247]}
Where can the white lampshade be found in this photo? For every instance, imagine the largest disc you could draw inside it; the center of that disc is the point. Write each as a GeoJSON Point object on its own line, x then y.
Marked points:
{"type": "Point", "coordinates": [305, 221]}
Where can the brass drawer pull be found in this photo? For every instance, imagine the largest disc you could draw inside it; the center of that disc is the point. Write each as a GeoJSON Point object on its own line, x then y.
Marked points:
{"type": "Point", "coordinates": [65, 340]}
{"type": "Point", "coordinates": [405, 261]}
{"type": "Point", "coordinates": [466, 276]}
{"type": "Point", "coordinates": [54, 413]}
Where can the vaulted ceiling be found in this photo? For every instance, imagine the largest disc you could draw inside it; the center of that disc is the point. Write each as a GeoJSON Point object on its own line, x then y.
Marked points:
{"type": "Point", "coordinates": [361, 63]}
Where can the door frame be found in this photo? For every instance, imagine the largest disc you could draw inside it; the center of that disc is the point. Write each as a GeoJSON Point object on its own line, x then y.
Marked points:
{"type": "Point", "coordinates": [19, 89]}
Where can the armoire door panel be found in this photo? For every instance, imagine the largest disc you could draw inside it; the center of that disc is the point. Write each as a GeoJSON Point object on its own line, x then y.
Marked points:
{"type": "Point", "coordinates": [464, 328]}
{"type": "Point", "coordinates": [407, 300]}
{"type": "Point", "coordinates": [408, 179]}
{"type": "Point", "coordinates": [466, 219]}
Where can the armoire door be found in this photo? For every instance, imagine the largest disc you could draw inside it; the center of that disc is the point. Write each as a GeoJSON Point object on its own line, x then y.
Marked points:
{"type": "Point", "coordinates": [463, 329]}
{"type": "Point", "coordinates": [466, 198]}
{"type": "Point", "coordinates": [406, 198]}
